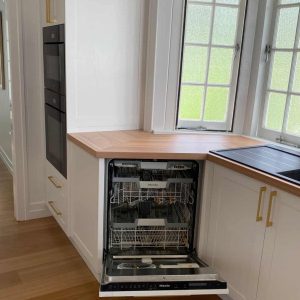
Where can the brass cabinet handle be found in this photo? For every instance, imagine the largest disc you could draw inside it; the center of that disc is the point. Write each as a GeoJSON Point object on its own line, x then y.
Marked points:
{"type": "Point", "coordinates": [55, 182]}
{"type": "Point", "coordinates": [269, 223]}
{"type": "Point", "coordinates": [51, 203]}
{"type": "Point", "coordinates": [48, 12]}
{"type": "Point", "coordinates": [261, 193]}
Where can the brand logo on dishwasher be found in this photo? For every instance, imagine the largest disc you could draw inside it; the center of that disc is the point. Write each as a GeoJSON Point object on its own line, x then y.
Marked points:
{"type": "Point", "coordinates": [164, 285]}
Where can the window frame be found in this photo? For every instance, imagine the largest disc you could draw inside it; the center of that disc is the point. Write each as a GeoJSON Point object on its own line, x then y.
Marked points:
{"type": "Point", "coordinates": [263, 132]}
{"type": "Point", "coordinates": [227, 125]}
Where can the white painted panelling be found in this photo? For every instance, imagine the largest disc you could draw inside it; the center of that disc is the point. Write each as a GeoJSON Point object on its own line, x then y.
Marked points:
{"type": "Point", "coordinates": [104, 63]}
{"type": "Point", "coordinates": [34, 107]}
{"type": "Point", "coordinates": [83, 173]}
{"type": "Point", "coordinates": [5, 120]}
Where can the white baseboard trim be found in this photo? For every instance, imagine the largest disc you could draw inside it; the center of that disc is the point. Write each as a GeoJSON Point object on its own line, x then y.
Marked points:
{"type": "Point", "coordinates": [225, 297]}
{"type": "Point", "coordinates": [40, 211]}
{"type": "Point", "coordinates": [91, 268]}
{"type": "Point", "coordinates": [6, 161]}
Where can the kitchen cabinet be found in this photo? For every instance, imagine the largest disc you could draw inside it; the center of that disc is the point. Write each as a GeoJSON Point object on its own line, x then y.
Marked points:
{"type": "Point", "coordinates": [235, 237]}
{"type": "Point", "coordinates": [56, 196]}
{"type": "Point", "coordinates": [52, 12]}
{"type": "Point", "coordinates": [253, 237]}
{"type": "Point", "coordinates": [279, 277]}
{"type": "Point", "coordinates": [86, 194]}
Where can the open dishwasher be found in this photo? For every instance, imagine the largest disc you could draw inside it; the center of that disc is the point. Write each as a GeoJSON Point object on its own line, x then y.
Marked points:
{"type": "Point", "coordinates": [151, 209]}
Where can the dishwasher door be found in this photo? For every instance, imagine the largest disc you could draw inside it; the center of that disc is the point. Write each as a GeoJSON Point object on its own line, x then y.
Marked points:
{"type": "Point", "coordinates": [159, 275]}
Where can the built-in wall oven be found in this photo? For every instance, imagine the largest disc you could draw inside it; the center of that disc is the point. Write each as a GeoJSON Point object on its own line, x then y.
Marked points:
{"type": "Point", "coordinates": [55, 96]}
{"type": "Point", "coordinates": [151, 231]}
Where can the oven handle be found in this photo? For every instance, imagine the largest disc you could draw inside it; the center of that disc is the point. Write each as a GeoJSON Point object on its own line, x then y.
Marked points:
{"type": "Point", "coordinates": [62, 68]}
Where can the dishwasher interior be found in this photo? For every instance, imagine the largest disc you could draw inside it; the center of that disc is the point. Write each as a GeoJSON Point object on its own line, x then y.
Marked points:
{"type": "Point", "coordinates": [149, 229]}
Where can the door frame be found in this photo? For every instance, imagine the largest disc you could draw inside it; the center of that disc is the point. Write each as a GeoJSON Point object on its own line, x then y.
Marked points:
{"type": "Point", "coordinates": [19, 149]}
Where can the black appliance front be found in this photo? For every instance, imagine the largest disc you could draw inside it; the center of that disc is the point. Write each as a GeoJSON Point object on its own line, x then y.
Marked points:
{"type": "Point", "coordinates": [54, 60]}
{"type": "Point", "coordinates": [56, 147]}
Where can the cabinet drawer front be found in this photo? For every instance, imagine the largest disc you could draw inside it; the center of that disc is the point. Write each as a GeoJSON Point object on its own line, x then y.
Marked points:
{"type": "Point", "coordinates": [56, 181]}
{"type": "Point", "coordinates": [56, 195]}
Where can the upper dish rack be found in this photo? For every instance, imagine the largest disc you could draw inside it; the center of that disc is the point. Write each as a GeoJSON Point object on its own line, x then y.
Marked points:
{"type": "Point", "coordinates": [161, 182]}
{"type": "Point", "coordinates": [132, 190]}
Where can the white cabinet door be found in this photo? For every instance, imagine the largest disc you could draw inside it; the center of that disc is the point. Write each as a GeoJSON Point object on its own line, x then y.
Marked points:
{"type": "Point", "coordinates": [86, 217]}
{"type": "Point", "coordinates": [235, 237]}
{"type": "Point", "coordinates": [281, 257]}
{"type": "Point", "coordinates": [53, 12]}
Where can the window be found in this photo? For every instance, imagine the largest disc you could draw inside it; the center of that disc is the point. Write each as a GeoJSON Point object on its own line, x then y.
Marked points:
{"type": "Point", "coordinates": [281, 113]}
{"type": "Point", "coordinates": [210, 63]}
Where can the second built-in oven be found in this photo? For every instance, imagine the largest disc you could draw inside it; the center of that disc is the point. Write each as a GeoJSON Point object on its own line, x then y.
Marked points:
{"type": "Point", "coordinates": [151, 231]}
{"type": "Point", "coordinates": [55, 121]}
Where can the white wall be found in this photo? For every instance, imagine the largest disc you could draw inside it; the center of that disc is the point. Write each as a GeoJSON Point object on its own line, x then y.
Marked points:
{"type": "Point", "coordinates": [105, 53]}
{"type": "Point", "coordinates": [5, 119]}
{"type": "Point", "coordinates": [34, 107]}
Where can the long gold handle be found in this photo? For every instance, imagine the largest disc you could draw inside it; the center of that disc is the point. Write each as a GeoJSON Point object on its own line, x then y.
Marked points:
{"type": "Point", "coordinates": [54, 181]}
{"type": "Point", "coordinates": [273, 194]}
{"type": "Point", "coordinates": [51, 203]}
{"type": "Point", "coordinates": [258, 213]}
{"type": "Point", "coordinates": [48, 12]}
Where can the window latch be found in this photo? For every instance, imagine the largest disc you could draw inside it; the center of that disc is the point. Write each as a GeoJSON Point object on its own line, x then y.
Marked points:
{"type": "Point", "coordinates": [268, 50]}
{"type": "Point", "coordinates": [237, 49]}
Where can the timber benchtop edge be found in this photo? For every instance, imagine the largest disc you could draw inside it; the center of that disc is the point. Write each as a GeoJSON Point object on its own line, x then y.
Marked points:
{"type": "Point", "coordinates": [138, 144]}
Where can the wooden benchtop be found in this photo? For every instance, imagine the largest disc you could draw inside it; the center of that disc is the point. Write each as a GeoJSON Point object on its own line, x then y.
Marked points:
{"type": "Point", "coordinates": [146, 145]}
{"type": "Point", "coordinates": [141, 144]}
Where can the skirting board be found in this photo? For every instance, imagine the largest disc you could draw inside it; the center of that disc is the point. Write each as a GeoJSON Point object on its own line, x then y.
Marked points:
{"type": "Point", "coordinates": [94, 272]}
{"type": "Point", "coordinates": [6, 161]}
{"type": "Point", "coordinates": [225, 297]}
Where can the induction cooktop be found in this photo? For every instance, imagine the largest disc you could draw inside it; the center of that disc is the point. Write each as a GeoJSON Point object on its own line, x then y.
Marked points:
{"type": "Point", "coordinates": [272, 159]}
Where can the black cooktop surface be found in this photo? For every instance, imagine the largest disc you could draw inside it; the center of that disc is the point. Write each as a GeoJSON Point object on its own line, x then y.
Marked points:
{"type": "Point", "coordinates": [271, 159]}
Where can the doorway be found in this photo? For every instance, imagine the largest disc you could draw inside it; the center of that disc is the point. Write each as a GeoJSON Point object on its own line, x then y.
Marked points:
{"type": "Point", "coordinates": [6, 165]}
{"type": "Point", "coordinates": [5, 93]}
{"type": "Point", "coordinates": [12, 113]}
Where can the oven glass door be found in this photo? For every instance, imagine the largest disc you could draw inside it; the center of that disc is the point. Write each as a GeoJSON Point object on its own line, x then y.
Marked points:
{"type": "Point", "coordinates": [56, 138]}
{"type": "Point", "coordinates": [54, 67]}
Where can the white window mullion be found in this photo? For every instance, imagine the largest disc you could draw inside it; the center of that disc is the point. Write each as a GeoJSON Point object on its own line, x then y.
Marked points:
{"type": "Point", "coordinates": [208, 85]}
{"type": "Point", "coordinates": [291, 78]}
{"type": "Point", "coordinates": [235, 65]}
{"type": "Point", "coordinates": [208, 57]}
{"type": "Point", "coordinates": [208, 45]}
{"type": "Point", "coordinates": [269, 65]}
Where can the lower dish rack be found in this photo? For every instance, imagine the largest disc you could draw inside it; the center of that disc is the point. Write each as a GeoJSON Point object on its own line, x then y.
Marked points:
{"type": "Point", "coordinates": [125, 235]}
